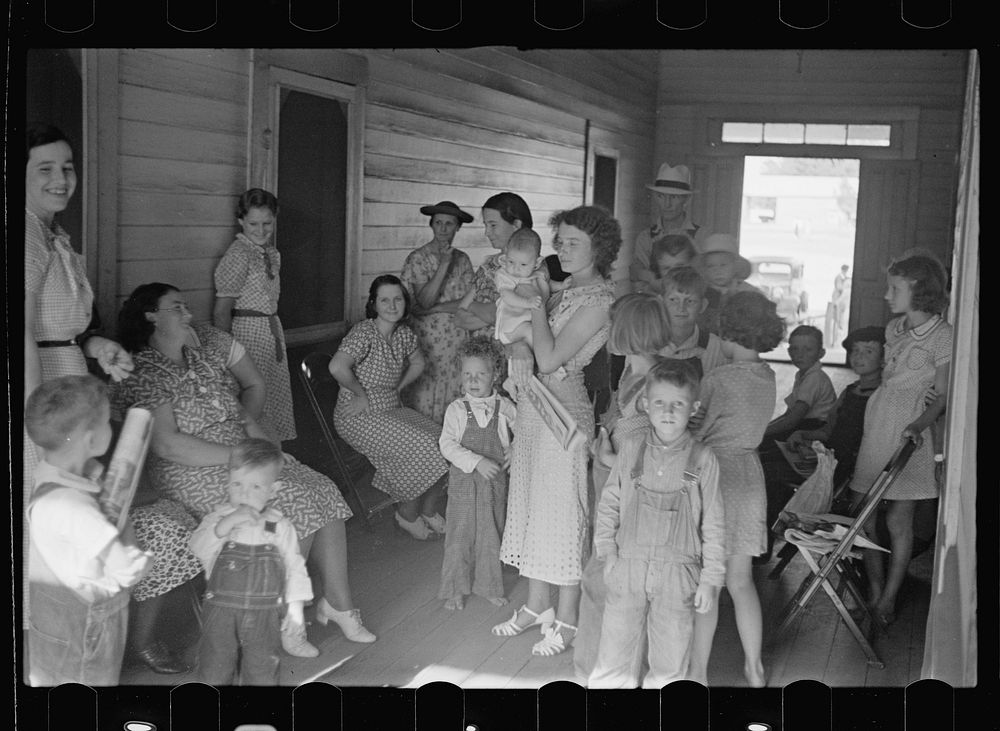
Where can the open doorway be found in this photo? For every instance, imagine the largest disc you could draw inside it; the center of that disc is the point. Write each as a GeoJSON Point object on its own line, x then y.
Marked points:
{"type": "Point", "coordinates": [797, 228]}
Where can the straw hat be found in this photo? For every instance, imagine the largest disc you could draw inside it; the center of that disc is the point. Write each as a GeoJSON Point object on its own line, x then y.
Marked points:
{"type": "Point", "coordinates": [725, 243]}
{"type": "Point", "coordinates": [673, 180]}
{"type": "Point", "coordinates": [447, 207]}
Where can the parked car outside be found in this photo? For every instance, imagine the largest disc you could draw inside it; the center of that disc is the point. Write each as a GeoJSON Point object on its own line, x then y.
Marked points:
{"type": "Point", "coordinates": [780, 278]}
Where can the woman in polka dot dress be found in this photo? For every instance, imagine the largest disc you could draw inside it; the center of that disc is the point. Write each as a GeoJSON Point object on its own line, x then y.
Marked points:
{"type": "Point", "coordinates": [377, 359]}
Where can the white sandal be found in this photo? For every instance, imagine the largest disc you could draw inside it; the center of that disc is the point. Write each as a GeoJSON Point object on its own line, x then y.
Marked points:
{"type": "Point", "coordinates": [552, 642]}
{"type": "Point", "coordinates": [511, 628]}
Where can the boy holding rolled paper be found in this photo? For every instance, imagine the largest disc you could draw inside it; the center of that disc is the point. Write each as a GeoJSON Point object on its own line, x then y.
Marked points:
{"type": "Point", "coordinates": [79, 566]}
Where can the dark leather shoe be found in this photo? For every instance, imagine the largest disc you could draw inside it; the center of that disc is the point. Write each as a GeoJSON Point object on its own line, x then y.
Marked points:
{"type": "Point", "coordinates": [160, 660]}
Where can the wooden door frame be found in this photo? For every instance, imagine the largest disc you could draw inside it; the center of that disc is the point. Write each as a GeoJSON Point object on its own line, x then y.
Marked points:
{"type": "Point", "coordinates": [272, 70]}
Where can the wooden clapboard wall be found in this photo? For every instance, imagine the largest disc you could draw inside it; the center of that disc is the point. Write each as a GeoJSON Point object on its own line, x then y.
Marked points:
{"type": "Point", "coordinates": [932, 80]}
{"type": "Point", "coordinates": [463, 124]}
{"type": "Point", "coordinates": [457, 124]}
{"type": "Point", "coordinates": [182, 164]}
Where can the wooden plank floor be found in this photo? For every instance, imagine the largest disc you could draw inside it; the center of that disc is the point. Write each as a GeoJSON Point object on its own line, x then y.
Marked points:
{"type": "Point", "coordinates": [395, 583]}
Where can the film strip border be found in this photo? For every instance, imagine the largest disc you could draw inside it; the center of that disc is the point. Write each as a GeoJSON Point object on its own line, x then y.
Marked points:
{"type": "Point", "coordinates": [314, 16]}
{"type": "Point", "coordinates": [926, 705]}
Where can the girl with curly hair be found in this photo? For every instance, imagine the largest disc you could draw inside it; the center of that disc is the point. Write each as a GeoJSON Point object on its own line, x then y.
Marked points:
{"type": "Point", "coordinates": [737, 401]}
{"type": "Point", "coordinates": [476, 441]}
{"type": "Point", "coordinates": [548, 504]}
{"type": "Point", "coordinates": [913, 394]}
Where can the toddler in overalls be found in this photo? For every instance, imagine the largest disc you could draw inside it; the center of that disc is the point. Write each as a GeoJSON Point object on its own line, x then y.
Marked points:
{"type": "Point", "coordinates": [660, 532]}
{"type": "Point", "coordinates": [253, 565]}
{"type": "Point", "coordinates": [475, 439]}
{"type": "Point", "coordinates": [79, 567]}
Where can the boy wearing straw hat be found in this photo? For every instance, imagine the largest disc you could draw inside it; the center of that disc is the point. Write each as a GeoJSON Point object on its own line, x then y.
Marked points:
{"type": "Point", "coordinates": [671, 197]}
{"type": "Point", "coordinates": [720, 263]}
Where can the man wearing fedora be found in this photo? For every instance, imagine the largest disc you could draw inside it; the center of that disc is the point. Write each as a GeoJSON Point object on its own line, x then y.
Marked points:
{"type": "Point", "coordinates": [671, 197]}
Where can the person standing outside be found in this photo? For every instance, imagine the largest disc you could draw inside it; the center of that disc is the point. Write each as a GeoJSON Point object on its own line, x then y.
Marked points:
{"type": "Point", "coordinates": [672, 193]}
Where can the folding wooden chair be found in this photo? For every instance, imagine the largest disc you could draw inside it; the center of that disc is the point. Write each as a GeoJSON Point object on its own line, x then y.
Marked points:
{"type": "Point", "coordinates": [838, 560]}
{"type": "Point", "coordinates": [353, 470]}
{"type": "Point", "coordinates": [788, 551]}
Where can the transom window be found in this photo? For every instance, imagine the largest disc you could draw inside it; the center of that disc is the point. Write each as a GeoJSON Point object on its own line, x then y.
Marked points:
{"type": "Point", "coordinates": [807, 133]}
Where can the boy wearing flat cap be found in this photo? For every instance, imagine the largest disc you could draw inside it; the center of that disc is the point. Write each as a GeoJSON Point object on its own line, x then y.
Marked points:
{"type": "Point", "coordinates": [844, 425]}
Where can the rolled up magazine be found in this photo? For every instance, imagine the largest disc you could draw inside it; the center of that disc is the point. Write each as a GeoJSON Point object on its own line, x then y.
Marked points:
{"type": "Point", "coordinates": [556, 416]}
{"type": "Point", "coordinates": [122, 477]}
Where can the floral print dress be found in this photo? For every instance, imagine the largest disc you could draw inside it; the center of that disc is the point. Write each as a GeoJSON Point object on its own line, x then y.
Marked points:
{"type": "Point", "coordinates": [439, 337]}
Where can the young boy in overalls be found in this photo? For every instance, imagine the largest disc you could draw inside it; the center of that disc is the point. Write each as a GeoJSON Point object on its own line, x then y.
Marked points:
{"type": "Point", "coordinates": [252, 562]}
{"type": "Point", "coordinates": [660, 531]}
{"type": "Point", "coordinates": [79, 567]}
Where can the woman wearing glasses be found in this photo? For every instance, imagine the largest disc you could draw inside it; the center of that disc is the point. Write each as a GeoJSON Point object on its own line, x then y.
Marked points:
{"type": "Point", "coordinates": [206, 396]}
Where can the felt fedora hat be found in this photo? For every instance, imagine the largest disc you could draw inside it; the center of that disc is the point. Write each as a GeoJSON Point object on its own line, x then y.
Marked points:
{"type": "Point", "coordinates": [447, 207]}
{"type": "Point", "coordinates": [673, 180]}
{"type": "Point", "coordinates": [725, 243]}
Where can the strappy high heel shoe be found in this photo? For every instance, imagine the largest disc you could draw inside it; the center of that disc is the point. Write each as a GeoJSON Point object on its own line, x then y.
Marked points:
{"type": "Point", "coordinates": [349, 621]}
{"type": "Point", "coordinates": [416, 528]}
{"type": "Point", "coordinates": [511, 628]}
{"type": "Point", "coordinates": [552, 642]}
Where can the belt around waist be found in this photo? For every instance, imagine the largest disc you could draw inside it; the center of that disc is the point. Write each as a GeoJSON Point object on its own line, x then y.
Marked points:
{"type": "Point", "coordinates": [252, 313]}
{"type": "Point", "coordinates": [57, 343]}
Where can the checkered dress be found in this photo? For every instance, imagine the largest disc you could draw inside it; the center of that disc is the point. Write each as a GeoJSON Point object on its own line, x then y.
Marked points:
{"type": "Point", "coordinates": [243, 275]}
{"type": "Point", "coordinates": [56, 278]}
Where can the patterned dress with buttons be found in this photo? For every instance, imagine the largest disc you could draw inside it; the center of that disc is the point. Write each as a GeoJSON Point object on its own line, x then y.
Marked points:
{"type": "Point", "coordinates": [203, 398]}
{"type": "Point", "coordinates": [249, 273]}
{"type": "Point", "coordinates": [912, 357]}
{"type": "Point", "coordinates": [439, 337]}
{"type": "Point", "coordinates": [401, 443]}
{"type": "Point", "coordinates": [55, 275]}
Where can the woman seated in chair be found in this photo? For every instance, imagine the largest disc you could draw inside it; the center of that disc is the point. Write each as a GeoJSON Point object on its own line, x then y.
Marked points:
{"type": "Point", "coordinates": [376, 360]}
{"type": "Point", "coordinates": [205, 393]}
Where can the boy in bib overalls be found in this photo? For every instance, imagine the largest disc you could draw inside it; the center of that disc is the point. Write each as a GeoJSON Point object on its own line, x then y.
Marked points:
{"type": "Point", "coordinates": [660, 531]}
{"type": "Point", "coordinates": [253, 565]}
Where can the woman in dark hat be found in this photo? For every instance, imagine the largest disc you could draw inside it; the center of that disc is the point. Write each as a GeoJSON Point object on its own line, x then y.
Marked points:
{"type": "Point", "coordinates": [437, 276]}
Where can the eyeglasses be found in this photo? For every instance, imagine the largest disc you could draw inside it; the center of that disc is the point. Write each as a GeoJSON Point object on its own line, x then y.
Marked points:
{"type": "Point", "coordinates": [179, 307]}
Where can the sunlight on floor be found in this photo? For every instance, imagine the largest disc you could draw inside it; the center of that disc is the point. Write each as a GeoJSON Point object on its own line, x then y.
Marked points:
{"type": "Point", "coordinates": [327, 670]}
